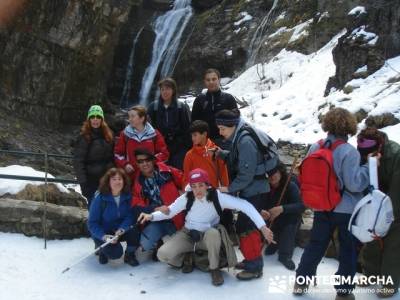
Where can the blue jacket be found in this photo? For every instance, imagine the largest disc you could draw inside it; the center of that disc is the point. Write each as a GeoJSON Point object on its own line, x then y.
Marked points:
{"type": "Point", "coordinates": [353, 178]}
{"type": "Point", "coordinates": [106, 217]}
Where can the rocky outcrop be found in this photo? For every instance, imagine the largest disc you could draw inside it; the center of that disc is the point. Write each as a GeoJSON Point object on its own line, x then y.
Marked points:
{"type": "Point", "coordinates": [372, 37]}
{"type": "Point", "coordinates": [204, 4]}
{"type": "Point", "coordinates": [56, 58]}
{"type": "Point", "coordinates": [23, 216]}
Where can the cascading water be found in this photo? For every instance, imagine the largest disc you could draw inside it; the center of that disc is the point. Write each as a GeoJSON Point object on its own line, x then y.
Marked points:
{"type": "Point", "coordinates": [168, 29]}
{"type": "Point", "coordinates": [124, 101]}
{"type": "Point", "coordinates": [258, 37]}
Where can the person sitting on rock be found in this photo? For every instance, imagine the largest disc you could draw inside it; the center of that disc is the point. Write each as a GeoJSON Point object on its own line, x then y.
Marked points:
{"type": "Point", "coordinates": [110, 215]}
{"type": "Point", "coordinates": [203, 205]}
{"type": "Point", "coordinates": [284, 217]}
{"type": "Point", "coordinates": [156, 185]}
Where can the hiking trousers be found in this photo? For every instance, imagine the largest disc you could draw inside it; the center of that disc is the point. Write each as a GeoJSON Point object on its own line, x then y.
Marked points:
{"type": "Point", "coordinates": [173, 251]}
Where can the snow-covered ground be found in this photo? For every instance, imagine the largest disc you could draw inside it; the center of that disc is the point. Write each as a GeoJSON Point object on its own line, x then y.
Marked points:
{"type": "Point", "coordinates": [32, 273]}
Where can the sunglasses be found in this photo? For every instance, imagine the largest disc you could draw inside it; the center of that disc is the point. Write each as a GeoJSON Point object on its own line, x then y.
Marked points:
{"type": "Point", "coordinates": [95, 117]}
{"type": "Point", "coordinates": [142, 161]}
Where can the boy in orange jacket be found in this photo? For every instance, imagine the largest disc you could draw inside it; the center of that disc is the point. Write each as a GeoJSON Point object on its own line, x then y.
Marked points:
{"type": "Point", "coordinates": [202, 155]}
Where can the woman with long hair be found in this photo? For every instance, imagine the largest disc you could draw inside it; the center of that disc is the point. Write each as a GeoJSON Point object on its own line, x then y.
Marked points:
{"type": "Point", "coordinates": [110, 215]}
{"type": "Point", "coordinates": [93, 152]}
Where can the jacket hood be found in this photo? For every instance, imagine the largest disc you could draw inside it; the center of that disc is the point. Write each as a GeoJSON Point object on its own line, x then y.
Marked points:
{"type": "Point", "coordinates": [148, 132]}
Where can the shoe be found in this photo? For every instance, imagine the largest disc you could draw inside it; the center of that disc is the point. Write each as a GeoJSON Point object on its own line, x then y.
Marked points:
{"type": "Point", "coordinates": [249, 275]}
{"type": "Point", "coordinates": [216, 277]}
{"type": "Point", "coordinates": [240, 265]}
{"type": "Point", "coordinates": [103, 259]}
{"type": "Point", "coordinates": [288, 263]}
{"type": "Point", "coordinates": [345, 297]}
{"type": "Point", "coordinates": [300, 289]}
{"type": "Point", "coordinates": [270, 250]}
{"type": "Point", "coordinates": [130, 259]}
{"type": "Point", "coordinates": [363, 281]}
{"type": "Point", "coordinates": [187, 266]}
{"type": "Point", "coordinates": [386, 292]}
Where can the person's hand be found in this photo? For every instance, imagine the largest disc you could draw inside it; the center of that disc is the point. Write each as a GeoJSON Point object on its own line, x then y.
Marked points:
{"type": "Point", "coordinates": [164, 209]}
{"type": "Point", "coordinates": [223, 189]}
{"type": "Point", "coordinates": [265, 214]}
{"type": "Point", "coordinates": [275, 211]}
{"type": "Point", "coordinates": [268, 234]}
{"type": "Point", "coordinates": [120, 232]}
{"type": "Point", "coordinates": [143, 218]}
{"type": "Point", "coordinates": [129, 168]}
{"type": "Point", "coordinates": [212, 151]}
{"type": "Point", "coordinates": [108, 237]}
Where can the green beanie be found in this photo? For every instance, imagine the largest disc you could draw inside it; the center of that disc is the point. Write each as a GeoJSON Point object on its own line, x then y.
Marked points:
{"type": "Point", "coordinates": [95, 110]}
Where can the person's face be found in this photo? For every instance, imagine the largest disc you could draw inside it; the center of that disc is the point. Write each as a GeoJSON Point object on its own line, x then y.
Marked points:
{"type": "Point", "coordinates": [116, 184]}
{"type": "Point", "coordinates": [226, 131]}
{"type": "Point", "coordinates": [211, 81]}
{"type": "Point", "coordinates": [199, 189]}
{"type": "Point", "coordinates": [145, 164]}
{"type": "Point", "coordinates": [199, 138]}
{"type": "Point", "coordinates": [134, 119]}
{"type": "Point", "coordinates": [274, 179]}
{"type": "Point", "coordinates": [95, 121]}
{"type": "Point", "coordinates": [166, 93]}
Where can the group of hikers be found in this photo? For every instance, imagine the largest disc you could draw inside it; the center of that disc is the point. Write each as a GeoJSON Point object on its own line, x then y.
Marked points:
{"type": "Point", "coordinates": [181, 184]}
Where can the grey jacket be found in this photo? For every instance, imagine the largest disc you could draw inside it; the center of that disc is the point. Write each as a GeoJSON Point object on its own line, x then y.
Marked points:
{"type": "Point", "coordinates": [244, 163]}
{"type": "Point", "coordinates": [352, 177]}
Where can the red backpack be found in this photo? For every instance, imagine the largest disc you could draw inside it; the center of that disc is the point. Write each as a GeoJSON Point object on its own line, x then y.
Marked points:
{"type": "Point", "coordinates": [318, 182]}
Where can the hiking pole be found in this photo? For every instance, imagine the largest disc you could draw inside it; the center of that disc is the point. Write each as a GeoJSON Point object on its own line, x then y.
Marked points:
{"type": "Point", "coordinates": [285, 186]}
{"type": "Point", "coordinates": [115, 237]}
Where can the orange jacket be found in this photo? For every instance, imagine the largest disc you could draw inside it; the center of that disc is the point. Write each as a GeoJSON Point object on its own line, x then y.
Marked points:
{"type": "Point", "coordinates": [198, 157]}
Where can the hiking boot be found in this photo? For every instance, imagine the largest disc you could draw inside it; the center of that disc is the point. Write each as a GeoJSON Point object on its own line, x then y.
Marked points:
{"type": "Point", "coordinates": [299, 289]}
{"type": "Point", "coordinates": [288, 263]}
{"type": "Point", "coordinates": [386, 292]}
{"type": "Point", "coordinates": [103, 259]}
{"type": "Point", "coordinates": [187, 266]}
{"type": "Point", "coordinates": [345, 297]}
{"type": "Point", "coordinates": [249, 275]}
{"type": "Point", "coordinates": [216, 277]}
{"type": "Point", "coordinates": [130, 259]}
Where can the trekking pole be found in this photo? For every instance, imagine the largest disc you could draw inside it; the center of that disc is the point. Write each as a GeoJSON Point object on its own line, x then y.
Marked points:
{"type": "Point", "coordinates": [285, 186]}
{"type": "Point", "coordinates": [115, 237]}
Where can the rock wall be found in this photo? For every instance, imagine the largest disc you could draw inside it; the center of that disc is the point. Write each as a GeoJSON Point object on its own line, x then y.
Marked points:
{"type": "Point", "coordinates": [23, 216]}
{"type": "Point", "coordinates": [56, 58]}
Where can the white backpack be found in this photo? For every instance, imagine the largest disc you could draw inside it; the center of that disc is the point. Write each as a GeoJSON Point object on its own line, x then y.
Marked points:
{"type": "Point", "coordinates": [373, 214]}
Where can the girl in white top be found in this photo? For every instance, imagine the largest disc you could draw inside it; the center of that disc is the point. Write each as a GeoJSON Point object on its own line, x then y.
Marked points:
{"type": "Point", "coordinates": [201, 221]}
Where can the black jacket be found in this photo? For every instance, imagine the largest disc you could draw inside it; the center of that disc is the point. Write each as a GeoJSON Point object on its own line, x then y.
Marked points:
{"type": "Point", "coordinates": [291, 200]}
{"type": "Point", "coordinates": [173, 123]}
{"type": "Point", "coordinates": [205, 106]}
{"type": "Point", "coordinates": [92, 160]}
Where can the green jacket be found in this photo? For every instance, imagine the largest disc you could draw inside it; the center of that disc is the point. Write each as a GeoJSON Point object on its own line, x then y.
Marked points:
{"type": "Point", "coordinates": [389, 174]}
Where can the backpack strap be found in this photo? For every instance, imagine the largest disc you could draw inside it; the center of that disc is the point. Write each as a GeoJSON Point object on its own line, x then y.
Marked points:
{"type": "Point", "coordinates": [214, 200]}
{"type": "Point", "coordinates": [328, 144]}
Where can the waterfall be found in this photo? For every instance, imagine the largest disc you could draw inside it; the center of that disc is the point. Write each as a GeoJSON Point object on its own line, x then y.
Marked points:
{"type": "Point", "coordinates": [168, 29]}
{"type": "Point", "coordinates": [258, 37]}
{"type": "Point", "coordinates": [124, 101]}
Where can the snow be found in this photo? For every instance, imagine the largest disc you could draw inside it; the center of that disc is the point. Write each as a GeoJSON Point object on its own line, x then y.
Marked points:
{"type": "Point", "coordinates": [10, 186]}
{"type": "Point", "coordinates": [361, 32]}
{"type": "Point", "coordinates": [228, 53]}
{"type": "Point", "coordinates": [300, 31]}
{"type": "Point", "coordinates": [24, 263]}
{"type": "Point", "coordinates": [286, 95]}
{"type": "Point", "coordinates": [245, 17]}
{"type": "Point", "coordinates": [357, 10]}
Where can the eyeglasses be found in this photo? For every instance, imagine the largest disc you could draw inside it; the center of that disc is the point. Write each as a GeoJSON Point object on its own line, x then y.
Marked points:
{"type": "Point", "coordinates": [95, 117]}
{"type": "Point", "coordinates": [142, 161]}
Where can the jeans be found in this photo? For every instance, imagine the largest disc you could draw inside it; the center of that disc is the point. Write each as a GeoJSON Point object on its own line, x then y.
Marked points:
{"type": "Point", "coordinates": [154, 231]}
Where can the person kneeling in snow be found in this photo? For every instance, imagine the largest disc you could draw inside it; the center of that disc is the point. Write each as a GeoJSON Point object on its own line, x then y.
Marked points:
{"type": "Point", "coordinates": [111, 214]}
{"type": "Point", "coordinates": [201, 220]}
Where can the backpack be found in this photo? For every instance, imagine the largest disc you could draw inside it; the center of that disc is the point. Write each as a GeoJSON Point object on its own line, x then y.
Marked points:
{"type": "Point", "coordinates": [319, 186]}
{"type": "Point", "coordinates": [265, 144]}
{"type": "Point", "coordinates": [215, 201]}
{"type": "Point", "coordinates": [373, 214]}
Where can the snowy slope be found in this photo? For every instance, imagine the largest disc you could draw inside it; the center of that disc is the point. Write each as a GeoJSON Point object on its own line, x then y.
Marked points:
{"type": "Point", "coordinates": [286, 95]}
{"type": "Point", "coordinates": [28, 272]}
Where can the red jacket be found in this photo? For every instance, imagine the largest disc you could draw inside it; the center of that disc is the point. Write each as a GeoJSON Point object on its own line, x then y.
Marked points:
{"type": "Point", "coordinates": [198, 157]}
{"type": "Point", "coordinates": [168, 192]}
{"type": "Point", "coordinates": [125, 148]}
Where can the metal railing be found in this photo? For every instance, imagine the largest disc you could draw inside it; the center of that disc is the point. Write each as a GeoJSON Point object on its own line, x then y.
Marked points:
{"type": "Point", "coordinates": [44, 179]}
